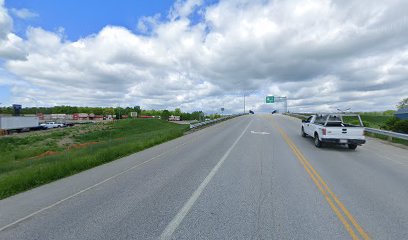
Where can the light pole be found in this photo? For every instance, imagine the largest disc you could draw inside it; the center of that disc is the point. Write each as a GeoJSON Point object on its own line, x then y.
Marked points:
{"type": "Point", "coordinates": [245, 94]}
{"type": "Point", "coordinates": [244, 102]}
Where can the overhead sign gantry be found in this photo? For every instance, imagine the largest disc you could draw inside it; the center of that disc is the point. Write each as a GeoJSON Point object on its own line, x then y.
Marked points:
{"type": "Point", "coordinates": [274, 99]}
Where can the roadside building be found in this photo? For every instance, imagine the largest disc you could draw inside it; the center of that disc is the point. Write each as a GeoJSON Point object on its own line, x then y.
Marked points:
{"type": "Point", "coordinates": [80, 116]}
{"type": "Point", "coordinates": [402, 113]}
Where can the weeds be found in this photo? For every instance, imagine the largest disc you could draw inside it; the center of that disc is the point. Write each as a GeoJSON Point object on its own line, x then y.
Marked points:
{"type": "Point", "coordinates": [25, 164]}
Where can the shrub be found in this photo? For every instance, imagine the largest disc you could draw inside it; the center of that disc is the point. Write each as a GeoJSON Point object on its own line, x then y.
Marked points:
{"type": "Point", "coordinates": [401, 126]}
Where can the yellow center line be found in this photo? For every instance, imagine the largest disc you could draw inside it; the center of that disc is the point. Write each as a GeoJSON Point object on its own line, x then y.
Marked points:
{"type": "Point", "coordinates": [339, 203]}
{"type": "Point", "coordinates": [326, 191]}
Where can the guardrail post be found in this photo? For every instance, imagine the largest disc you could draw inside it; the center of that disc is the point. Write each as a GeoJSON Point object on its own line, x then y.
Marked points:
{"type": "Point", "coordinates": [390, 138]}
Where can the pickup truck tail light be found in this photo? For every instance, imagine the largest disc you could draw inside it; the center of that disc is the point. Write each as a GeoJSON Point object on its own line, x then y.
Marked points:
{"type": "Point", "coordinates": [324, 131]}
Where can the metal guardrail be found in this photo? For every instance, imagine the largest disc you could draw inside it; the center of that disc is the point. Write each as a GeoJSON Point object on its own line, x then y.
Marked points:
{"type": "Point", "coordinates": [196, 125]}
{"type": "Point", "coordinates": [389, 134]}
{"type": "Point", "coordinates": [297, 115]}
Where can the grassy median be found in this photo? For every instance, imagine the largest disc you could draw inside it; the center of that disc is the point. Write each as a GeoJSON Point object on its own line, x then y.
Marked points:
{"type": "Point", "coordinates": [32, 159]}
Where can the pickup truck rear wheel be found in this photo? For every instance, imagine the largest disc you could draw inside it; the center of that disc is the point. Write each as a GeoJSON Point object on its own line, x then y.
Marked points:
{"type": "Point", "coordinates": [303, 132]}
{"type": "Point", "coordinates": [317, 141]}
{"type": "Point", "coordinates": [352, 146]}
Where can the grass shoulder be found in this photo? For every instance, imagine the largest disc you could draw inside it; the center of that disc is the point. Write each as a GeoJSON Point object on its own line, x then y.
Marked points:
{"type": "Point", "coordinates": [30, 160]}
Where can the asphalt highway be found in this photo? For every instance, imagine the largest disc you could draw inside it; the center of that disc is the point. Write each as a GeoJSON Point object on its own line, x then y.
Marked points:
{"type": "Point", "coordinates": [252, 177]}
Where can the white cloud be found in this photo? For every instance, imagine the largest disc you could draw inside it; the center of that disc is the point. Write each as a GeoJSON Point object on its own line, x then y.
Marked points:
{"type": "Point", "coordinates": [24, 13]}
{"type": "Point", "coordinates": [11, 45]}
{"type": "Point", "coordinates": [322, 54]}
{"type": "Point", "coordinates": [6, 22]}
{"type": "Point", "coordinates": [183, 8]}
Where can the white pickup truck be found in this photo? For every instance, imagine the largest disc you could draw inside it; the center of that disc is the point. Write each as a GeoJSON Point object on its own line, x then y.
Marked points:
{"type": "Point", "coordinates": [334, 128]}
{"type": "Point", "coordinates": [52, 125]}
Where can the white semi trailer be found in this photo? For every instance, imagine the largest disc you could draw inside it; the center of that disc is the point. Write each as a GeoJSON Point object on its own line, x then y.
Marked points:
{"type": "Point", "coordinates": [18, 123]}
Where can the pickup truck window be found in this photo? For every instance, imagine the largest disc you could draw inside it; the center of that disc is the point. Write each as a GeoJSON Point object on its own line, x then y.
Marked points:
{"type": "Point", "coordinates": [335, 124]}
{"type": "Point", "coordinates": [320, 119]}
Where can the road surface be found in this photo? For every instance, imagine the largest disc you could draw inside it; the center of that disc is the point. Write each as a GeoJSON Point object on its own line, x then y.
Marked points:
{"type": "Point", "coordinates": [252, 177]}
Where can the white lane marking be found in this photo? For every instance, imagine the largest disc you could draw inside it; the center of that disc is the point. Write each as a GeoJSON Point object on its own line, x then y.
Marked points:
{"type": "Point", "coordinates": [97, 184]}
{"type": "Point", "coordinates": [260, 133]}
{"type": "Point", "coordinates": [172, 226]}
{"type": "Point", "coordinates": [91, 187]}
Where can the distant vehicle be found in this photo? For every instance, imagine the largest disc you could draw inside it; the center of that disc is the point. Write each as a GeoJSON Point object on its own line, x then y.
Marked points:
{"type": "Point", "coordinates": [251, 112]}
{"type": "Point", "coordinates": [49, 125]}
{"type": "Point", "coordinates": [174, 118]}
{"type": "Point", "coordinates": [68, 124]}
{"type": "Point", "coordinates": [274, 111]}
{"type": "Point", "coordinates": [18, 123]}
{"type": "Point", "coordinates": [37, 128]}
{"type": "Point", "coordinates": [331, 128]}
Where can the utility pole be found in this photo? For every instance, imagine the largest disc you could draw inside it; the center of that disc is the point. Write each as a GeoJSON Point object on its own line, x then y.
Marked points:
{"type": "Point", "coordinates": [244, 102]}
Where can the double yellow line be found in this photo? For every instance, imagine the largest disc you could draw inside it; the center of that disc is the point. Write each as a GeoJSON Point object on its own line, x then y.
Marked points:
{"type": "Point", "coordinates": [338, 207]}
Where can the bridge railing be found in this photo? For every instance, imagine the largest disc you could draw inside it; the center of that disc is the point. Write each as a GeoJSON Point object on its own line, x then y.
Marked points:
{"type": "Point", "coordinates": [389, 134]}
{"type": "Point", "coordinates": [196, 125]}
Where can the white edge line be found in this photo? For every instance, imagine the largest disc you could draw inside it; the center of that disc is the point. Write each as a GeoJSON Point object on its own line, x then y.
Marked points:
{"type": "Point", "coordinates": [88, 188]}
{"type": "Point", "coordinates": [175, 222]}
{"type": "Point", "coordinates": [91, 187]}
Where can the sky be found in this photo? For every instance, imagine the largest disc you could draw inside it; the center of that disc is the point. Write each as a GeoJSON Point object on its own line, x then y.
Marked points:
{"type": "Point", "coordinates": [204, 55]}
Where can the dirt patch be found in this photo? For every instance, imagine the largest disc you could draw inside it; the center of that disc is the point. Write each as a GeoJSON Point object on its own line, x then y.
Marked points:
{"type": "Point", "coordinates": [47, 153]}
{"type": "Point", "coordinates": [73, 146]}
{"type": "Point", "coordinates": [81, 145]}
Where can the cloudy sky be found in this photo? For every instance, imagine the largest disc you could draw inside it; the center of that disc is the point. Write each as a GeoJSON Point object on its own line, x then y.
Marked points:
{"type": "Point", "coordinates": [204, 55]}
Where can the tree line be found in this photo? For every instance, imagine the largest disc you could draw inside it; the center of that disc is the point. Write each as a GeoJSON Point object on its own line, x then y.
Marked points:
{"type": "Point", "coordinates": [118, 111]}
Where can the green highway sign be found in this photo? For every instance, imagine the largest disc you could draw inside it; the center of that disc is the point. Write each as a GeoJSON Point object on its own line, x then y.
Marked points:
{"type": "Point", "coordinates": [270, 99]}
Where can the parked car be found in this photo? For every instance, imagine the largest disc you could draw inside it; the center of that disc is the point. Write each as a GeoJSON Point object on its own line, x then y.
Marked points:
{"type": "Point", "coordinates": [49, 125]}
{"type": "Point", "coordinates": [69, 124]}
{"type": "Point", "coordinates": [274, 111]}
{"type": "Point", "coordinates": [39, 127]}
{"type": "Point", "coordinates": [251, 112]}
{"type": "Point", "coordinates": [331, 128]}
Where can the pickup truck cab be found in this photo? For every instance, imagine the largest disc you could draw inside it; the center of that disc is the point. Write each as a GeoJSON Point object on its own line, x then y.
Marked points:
{"type": "Point", "coordinates": [49, 125]}
{"type": "Point", "coordinates": [346, 129]}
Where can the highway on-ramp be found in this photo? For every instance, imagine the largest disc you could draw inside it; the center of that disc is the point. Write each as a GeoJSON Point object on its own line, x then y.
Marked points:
{"type": "Point", "coordinates": [252, 177]}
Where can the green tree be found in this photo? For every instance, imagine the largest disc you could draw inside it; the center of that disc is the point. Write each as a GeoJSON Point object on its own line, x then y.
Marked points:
{"type": "Point", "coordinates": [177, 112]}
{"type": "Point", "coordinates": [138, 110]}
{"type": "Point", "coordinates": [119, 111]}
{"type": "Point", "coordinates": [108, 111]}
{"type": "Point", "coordinates": [165, 115]}
{"type": "Point", "coordinates": [403, 103]}
{"type": "Point", "coordinates": [197, 115]}
{"type": "Point", "coordinates": [388, 113]}
{"type": "Point", "coordinates": [98, 111]}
